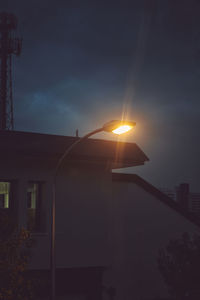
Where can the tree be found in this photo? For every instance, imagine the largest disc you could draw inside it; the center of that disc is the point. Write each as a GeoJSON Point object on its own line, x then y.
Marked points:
{"type": "Point", "coordinates": [14, 253]}
{"type": "Point", "coordinates": [179, 264]}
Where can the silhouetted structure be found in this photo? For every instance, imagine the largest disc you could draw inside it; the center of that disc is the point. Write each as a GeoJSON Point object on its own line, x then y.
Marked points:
{"type": "Point", "coordinates": [109, 226]}
{"type": "Point", "coordinates": [195, 204]}
{"type": "Point", "coordinates": [187, 200]}
{"type": "Point", "coordinates": [182, 195]}
{"type": "Point", "coordinates": [8, 45]}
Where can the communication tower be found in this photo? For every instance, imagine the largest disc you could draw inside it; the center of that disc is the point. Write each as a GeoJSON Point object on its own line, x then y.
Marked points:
{"type": "Point", "coordinates": [8, 45]}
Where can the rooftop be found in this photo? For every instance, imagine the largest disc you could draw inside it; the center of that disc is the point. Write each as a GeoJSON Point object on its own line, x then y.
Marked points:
{"type": "Point", "coordinates": [156, 193]}
{"type": "Point", "coordinates": [26, 144]}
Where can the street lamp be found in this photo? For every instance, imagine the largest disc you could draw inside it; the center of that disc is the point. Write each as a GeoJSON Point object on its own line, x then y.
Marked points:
{"type": "Point", "coordinates": [115, 126]}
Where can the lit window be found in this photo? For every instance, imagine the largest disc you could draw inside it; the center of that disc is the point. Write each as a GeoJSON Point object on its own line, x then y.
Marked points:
{"type": "Point", "coordinates": [4, 195]}
{"type": "Point", "coordinates": [34, 207]}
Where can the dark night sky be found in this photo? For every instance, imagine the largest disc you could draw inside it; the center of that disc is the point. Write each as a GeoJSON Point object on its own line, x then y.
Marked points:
{"type": "Point", "coordinates": [86, 62]}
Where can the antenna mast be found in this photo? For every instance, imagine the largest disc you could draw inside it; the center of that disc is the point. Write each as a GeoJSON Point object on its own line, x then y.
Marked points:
{"type": "Point", "coordinates": [8, 45]}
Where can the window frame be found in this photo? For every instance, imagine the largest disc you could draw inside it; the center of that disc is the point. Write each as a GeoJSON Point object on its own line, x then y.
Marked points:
{"type": "Point", "coordinates": [12, 210]}
{"type": "Point", "coordinates": [40, 227]}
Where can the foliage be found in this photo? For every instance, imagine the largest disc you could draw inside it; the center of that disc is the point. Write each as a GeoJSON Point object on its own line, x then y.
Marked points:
{"type": "Point", "coordinates": [179, 264]}
{"type": "Point", "coordinates": [14, 254]}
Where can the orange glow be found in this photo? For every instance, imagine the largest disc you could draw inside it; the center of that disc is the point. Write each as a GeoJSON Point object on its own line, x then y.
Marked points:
{"type": "Point", "coordinates": [122, 129]}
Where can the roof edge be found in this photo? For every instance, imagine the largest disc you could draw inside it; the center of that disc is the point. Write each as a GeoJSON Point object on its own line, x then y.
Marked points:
{"type": "Point", "coordinates": [134, 178]}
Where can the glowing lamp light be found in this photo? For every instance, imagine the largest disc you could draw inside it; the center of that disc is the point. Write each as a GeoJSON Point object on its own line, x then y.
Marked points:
{"type": "Point", "coordinates": [122, 129]}
{"type": "Point", "coordinates": [118, 127]}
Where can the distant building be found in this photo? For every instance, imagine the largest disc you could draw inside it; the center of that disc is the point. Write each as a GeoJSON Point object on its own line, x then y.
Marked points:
{"type": "Point", "coordinates": [186, 199]}
{"type": "Point", "coordinates": [182, 195]}
{"type": "Point", "coordinates": [109, 226]}
{"type": "Point", "coordinates": [194, 200]}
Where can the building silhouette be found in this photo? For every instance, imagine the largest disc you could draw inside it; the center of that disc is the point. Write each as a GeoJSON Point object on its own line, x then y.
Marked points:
{"type": "Point", "coordinates": [109, 225]}
{"type": "Point", "coordinates": [189, 201]}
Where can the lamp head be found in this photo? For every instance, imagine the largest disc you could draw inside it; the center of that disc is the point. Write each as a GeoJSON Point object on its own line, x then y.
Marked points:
{"type": "Point", "coordinates": [118, 127]}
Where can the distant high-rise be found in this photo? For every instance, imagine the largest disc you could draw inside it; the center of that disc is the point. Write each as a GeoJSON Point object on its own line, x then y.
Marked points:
{"type": "Point", "coordinates": [8, 45]}
{"type": "Point", "coordinates": [182, 195]}
{"type": "Point", "coordinates": [195, 203]}
{"type": "Point", "coordinates": [189, 201]}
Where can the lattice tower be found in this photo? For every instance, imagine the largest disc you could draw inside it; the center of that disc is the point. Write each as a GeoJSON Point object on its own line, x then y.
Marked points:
{"type": "Point", "coordinates": [8, 45]}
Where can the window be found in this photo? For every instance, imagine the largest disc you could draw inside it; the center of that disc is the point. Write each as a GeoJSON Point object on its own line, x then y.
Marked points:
{"type": "Point", "coordinates": [4, 195]}
{"type": "Point", "coordinates": [35, 215]}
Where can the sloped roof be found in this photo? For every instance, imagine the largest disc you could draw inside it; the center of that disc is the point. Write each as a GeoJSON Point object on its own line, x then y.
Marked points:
{"type": "Point", "coordinates": [156, 193]}
{"type": "Point", "coordinates": [119, 154]}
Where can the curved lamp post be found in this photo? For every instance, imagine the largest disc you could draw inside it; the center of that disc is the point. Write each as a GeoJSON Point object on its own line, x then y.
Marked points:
{"type": "Point", "coordinates": [115, 126]}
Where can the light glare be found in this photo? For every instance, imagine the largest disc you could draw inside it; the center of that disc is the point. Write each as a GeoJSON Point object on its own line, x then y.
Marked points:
{"type": "Point", "coordinates": [122, 129]}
